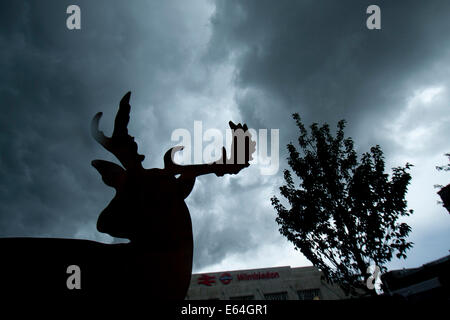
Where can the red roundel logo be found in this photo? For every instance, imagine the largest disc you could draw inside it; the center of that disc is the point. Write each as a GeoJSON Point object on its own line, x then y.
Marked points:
{"type": "Point", "coordinates": [225, 278]}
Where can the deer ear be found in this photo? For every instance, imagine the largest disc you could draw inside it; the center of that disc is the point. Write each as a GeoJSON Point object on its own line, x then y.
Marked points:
{"type": "Point", "coordinates": [112, 174]}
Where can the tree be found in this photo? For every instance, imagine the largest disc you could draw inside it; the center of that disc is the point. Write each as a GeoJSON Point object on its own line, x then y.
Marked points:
{"type": "Point", "coordinates": [444, 192]}
{"type": "Point", "coordinates": [447, 167]}
{"type": "Point", "coordinates": [344, 214]}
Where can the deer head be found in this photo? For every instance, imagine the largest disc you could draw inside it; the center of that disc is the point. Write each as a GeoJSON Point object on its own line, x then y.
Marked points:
{"type": "Point", "coordinates": [149, 202]}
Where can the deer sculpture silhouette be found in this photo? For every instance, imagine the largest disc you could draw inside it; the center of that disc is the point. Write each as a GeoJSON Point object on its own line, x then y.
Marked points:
{"type": "Point", "coordinates": [148, 209]}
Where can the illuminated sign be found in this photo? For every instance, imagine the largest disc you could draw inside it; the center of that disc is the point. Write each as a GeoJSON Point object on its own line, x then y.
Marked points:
{"type": "Point", "coordinates": [225, 278]}
{"type": "Point", "coordinates": [206, 279]}
{"type": "Point", "coordinates": [258, 276]}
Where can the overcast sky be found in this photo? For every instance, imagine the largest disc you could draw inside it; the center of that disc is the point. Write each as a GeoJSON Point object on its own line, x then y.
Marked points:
{"type": "Point", "coordinates": [214, 61]}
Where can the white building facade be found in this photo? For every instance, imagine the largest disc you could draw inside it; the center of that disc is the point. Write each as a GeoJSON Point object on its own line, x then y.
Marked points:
{"type": "Point", "coordinates": [280, 283]}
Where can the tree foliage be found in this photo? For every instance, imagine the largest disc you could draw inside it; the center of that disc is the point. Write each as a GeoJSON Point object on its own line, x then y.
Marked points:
{"type": "Point", "coordinates": [444, 191]}
{"type": "Point", "coordinates": [344, 212]}
{"type": "Point", "coordinates": [443, 168]}
{"type": "Point", "coordinates": [447, 167]}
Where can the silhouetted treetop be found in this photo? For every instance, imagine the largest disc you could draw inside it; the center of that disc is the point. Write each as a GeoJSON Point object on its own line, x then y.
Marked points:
{"type": "Point", "coordinates": [344, 212]}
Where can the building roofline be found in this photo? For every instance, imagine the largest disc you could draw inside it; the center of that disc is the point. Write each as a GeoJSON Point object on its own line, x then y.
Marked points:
{"type": "Point", "coordinates": [257, 269]}
{"type": "Point", "coordinates": [431, 263]}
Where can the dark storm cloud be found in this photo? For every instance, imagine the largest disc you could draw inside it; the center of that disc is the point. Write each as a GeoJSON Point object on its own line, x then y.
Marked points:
{"type": "Point", "coordinates": [52, 82]}
{"type": "Point", "coordinates": [313, 57]}
{"type": "Point", "coordinates": [319, 59]}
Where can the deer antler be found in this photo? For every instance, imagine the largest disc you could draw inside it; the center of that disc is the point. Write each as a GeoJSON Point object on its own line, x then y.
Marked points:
{"type": "Point", "coordinates": [242, 148]}
{"type": "Point", "coordinates": [121, 144]}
